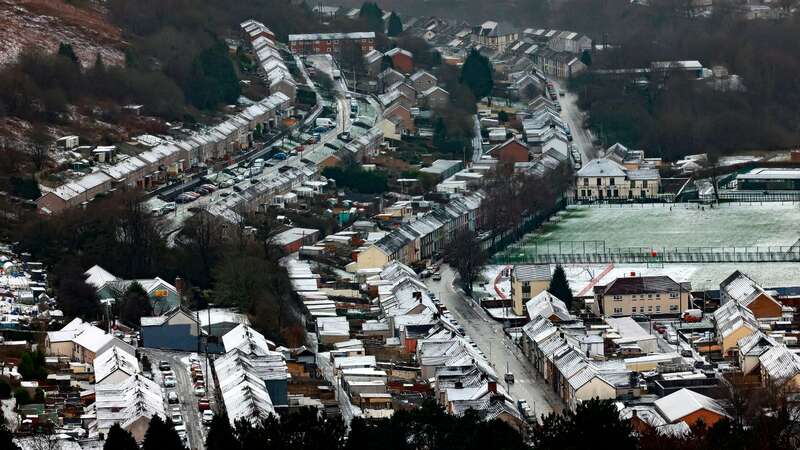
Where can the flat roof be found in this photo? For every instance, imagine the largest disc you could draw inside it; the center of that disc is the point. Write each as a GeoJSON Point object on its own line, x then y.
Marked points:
{"type": "Point", "coordinates": [770, 174]}
{"type": "Point", "coordinates": [331, 36]}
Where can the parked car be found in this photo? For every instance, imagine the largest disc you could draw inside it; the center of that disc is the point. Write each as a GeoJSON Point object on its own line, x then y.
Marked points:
{"type": "Point", "coordinates": [280, 156]}
{"type": "Point", "coordinates": [172, 397]}
{"type": "Point", "coordinates": [176, 417]}
{"type": "Point", "coordinates": [203, 404]}
{"type": "Point", "coordinates": [169, 382]}
{"type": "Point", "coordinates": [437, 276]}
{"type": "Point", "coordinates": [199, 391]}
{"type": "Point", "coordinates": [163, 365]}
{"type": "Point", "coordinates": [208, 416]}
{"type": "Point", "coordinates": [168, 207]}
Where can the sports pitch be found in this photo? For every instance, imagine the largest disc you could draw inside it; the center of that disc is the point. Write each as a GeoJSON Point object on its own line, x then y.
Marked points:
{"type": "Point", "coordinates": [673, 226]}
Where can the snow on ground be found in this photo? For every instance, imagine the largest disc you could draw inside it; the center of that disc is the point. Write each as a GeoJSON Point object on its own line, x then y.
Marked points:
{"type": "Point", "coordinates": [741, 159]}
{"type": "Point", "coordinates": [503, 285]}
{"type": "Point", "coordinates": [702, 276]}
{"type": "Point", "coordinates": [676, 225]}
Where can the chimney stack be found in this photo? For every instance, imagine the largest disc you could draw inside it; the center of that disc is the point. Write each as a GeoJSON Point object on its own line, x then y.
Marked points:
{"type": "Point", "coordinates": [179, 286]}
{"type": "Point", "coordinates": [492, 386]}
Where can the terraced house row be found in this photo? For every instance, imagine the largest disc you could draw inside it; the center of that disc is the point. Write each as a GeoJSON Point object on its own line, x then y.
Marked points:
{"type": "Point", "coordinates": [169, 158]}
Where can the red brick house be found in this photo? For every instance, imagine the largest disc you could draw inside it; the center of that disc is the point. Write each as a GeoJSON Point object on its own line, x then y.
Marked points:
{"type": "Point", "coordinates": [329, 43]}
{"type": "Point", "coordinates": [512, 151]}
{"type": "Point", "coordinates": [402, 60]}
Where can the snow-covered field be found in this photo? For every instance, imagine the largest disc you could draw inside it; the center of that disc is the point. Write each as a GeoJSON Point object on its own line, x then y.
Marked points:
{"type": "Point", "coordinates": [677, 225]}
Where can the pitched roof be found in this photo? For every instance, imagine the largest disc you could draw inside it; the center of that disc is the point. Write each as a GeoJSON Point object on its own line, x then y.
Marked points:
{"type": "Point", "coordinates": [680, 404]}
{"type": "Point", "coordinates": [780, 363]}
{"type": "Point", "coordinates": [97, 276]}
{"type": "Point", "coordinates": [547, 305]}
{"type": "Point", "coordinates": [731, 316]}
{"type": "Point", "coordinates": [601, 167]}
{"type": "Point", "coordinates": [534, 272]}
{"type": "Point", "coordinates": [641, 285]}
{"type": "Point", "coordinates": [128, 401]}
{"type": "Point", "coordinates": [743, 289]}
{"type": "Point", "coordinates": [113, 359]}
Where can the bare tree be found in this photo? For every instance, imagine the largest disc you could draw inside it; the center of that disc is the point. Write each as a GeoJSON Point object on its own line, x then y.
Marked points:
{"type": "Point", "coordinates": [464, 253]}
{"type": "Point", "coordinates": [39, 148]}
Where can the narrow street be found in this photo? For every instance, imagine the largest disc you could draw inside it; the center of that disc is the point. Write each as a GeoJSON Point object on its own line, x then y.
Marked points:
{"type": "Point", "coordinates": [497, 346]}
{"type": "Point", "coordinates": [581, 138]}
{"type": "Point", "coordinates": [184, 387]}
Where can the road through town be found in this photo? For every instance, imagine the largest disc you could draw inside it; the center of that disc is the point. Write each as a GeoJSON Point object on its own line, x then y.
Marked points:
{"type": "Point", "coordinates": [184, 387]}
{"type": "Point", "coordinates": [498, 347]}
{"type": "Point", "coordinates": [581, 138]}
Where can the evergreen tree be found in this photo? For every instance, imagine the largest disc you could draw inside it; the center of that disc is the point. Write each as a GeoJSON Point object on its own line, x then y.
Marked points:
{"type": "Point", "coordinates": [161, 435]}
{"type": "Point", "coordinates": [22, 396]}
{"type": "Point", "coordinates": [135, 304]}
{"type": "Point", "coordinates": [213, 81]}
{"type": "Point", "coordinates": [559, 286]}
{"type": "Point", "coordinates": [395, 26]}
{"type": "Point", "coordinates": [221, 436]}
{"type": "Point", "coordinates": [439, 132]}
{"type": "Point", "coordinates": [119, 439]}
{"type": "Point", "coordinates": [31, 366]}
{"type": "Point", "coordinates": [6, 436]}
{"type": "Point", "coordinates": [68, 52]}
{"type": "Point", "coordinates": [586, 57]}
{"type": "Point", "coordinates": [581, 429]}
{"type": "Point", "coordinates": [477, 74]}
{"type": "Point", "coordinates": [373, 15]}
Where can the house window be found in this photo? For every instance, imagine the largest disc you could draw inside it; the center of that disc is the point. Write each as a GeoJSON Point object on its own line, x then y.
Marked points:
{"type": "Point", "coordinates": [644, 194]}
{"type": "Point", "coordinates": [650, 308]}
{"type": "Point", "coordinates": [673, 295]}
{"type": "Point", "coordinates": [644, 183]}
{"type": "Point", "coordinates": [658, 295]}
{"type": "Point", "coordinates": [633, 184]}
{"type": "Point", "coordinates": [617, 310]}
{"type": "Point", "coordinates": [526, 289]}
{"type": "Point", "coordinates": [673, 308]}
{"type": "Point", "coordinates": [618, 297]}
{"type": "Point", "coordinates": [599, 181]}
{"type": "Point", "coordinates": [611, 181]}
{"type": "Point", "coordinates": [649, 295]}
{"type": "Point", "coordinates": [658, 308]}
{"type": "Point", "coordinates": [585, 181]}
{"type": "Point", "coordinates": [633, 309]}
